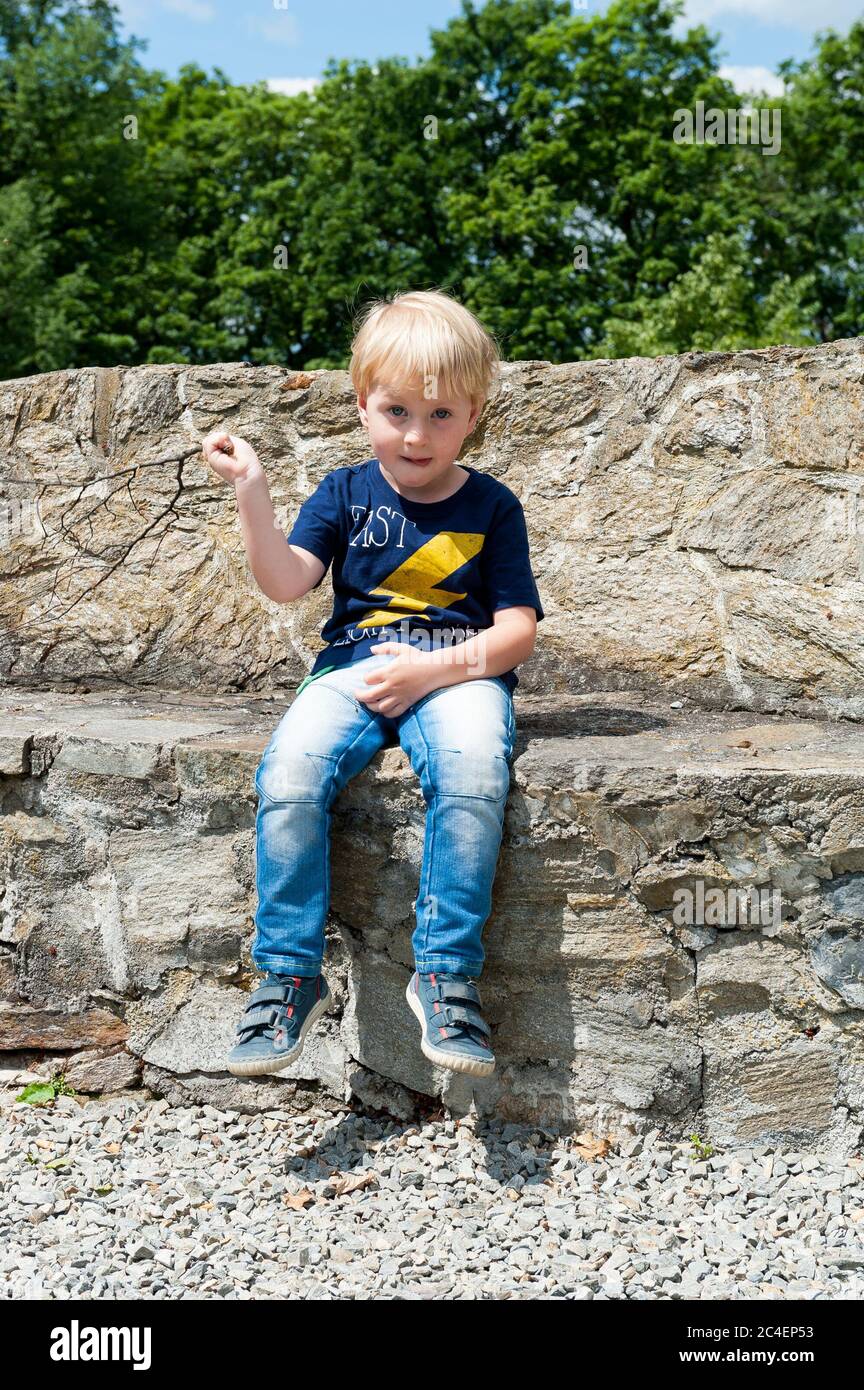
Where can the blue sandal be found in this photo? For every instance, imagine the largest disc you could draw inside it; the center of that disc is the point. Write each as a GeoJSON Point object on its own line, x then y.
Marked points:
{"type": "Point", "coordinates": [276, 1021]}
{"type": "Point", "coordinates": [453, 1031]}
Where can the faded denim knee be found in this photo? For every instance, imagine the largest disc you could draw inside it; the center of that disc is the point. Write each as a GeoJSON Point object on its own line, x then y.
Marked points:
{"type": "Point", "coordinates": [473, 772]}
{"type": "Point", "coordinates": [287, 773]}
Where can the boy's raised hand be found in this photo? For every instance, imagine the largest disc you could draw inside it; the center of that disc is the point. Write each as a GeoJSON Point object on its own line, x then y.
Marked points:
{"type": "Point", "coordinates": [230, 456]}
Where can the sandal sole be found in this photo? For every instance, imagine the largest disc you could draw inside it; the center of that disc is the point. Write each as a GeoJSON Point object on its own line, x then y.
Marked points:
{"type": "Point", "coordinates": [261, 1066]}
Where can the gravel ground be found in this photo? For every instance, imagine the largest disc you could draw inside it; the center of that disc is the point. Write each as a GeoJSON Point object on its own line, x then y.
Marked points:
{"type": "Point", "coordinates": [159, 1202]}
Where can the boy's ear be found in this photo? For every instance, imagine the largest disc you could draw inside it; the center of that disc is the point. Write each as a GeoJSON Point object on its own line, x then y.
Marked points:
{"type": "Point", "coordinates": [361, 408]}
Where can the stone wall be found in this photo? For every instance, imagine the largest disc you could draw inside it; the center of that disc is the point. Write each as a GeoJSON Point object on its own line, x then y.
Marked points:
{"type": "Point", "coordinates": [689, 720]}
{"type": "Point", "coordinates": [694, 524]}
{"type": "Point", "coordinates": [127, 839]}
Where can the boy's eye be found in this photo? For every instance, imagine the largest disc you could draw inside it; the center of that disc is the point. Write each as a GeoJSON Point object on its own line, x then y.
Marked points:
{"type": "Point", "coordinates": [442, 409]}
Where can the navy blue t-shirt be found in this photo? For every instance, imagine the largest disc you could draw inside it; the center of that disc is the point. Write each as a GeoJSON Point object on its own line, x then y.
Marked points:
{"type": "Point", "coordinates": [431, 573]}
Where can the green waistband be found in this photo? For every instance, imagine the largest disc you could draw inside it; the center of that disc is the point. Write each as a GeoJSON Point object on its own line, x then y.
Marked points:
{"type": "Point", "coordinates": [303, 684]}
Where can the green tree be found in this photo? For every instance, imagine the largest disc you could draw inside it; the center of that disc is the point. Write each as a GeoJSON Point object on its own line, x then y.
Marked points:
{"type": "Point", "coordinates": [529, 165]}
{"type": "Point", "coordinates": [823, 169]}
{"type": "Point", "coordinates": [712, 307]}
{"type": "Point", "coordinates": [67, 89]}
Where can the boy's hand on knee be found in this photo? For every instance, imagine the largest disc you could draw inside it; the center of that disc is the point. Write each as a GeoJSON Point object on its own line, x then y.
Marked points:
{"type": "Point", "coordinates": [399, 684]}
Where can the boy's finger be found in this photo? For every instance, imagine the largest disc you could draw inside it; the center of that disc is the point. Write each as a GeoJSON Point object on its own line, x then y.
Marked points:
{"type": "Point", "coordinates": [225, 450]}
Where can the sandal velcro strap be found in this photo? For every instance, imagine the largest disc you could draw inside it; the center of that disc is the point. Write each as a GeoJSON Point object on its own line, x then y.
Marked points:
{"type": "Point", "coordinates": [267, 1007]}
{"type": "Point", "coordinates": [283, 994]}
{"type": "Point", "coordinates": [254, 1018]}
{"type": "Point", "coordinates": [268, 994]}
{"type": "Point", "coordinates": [455, 1013]}
{"type": "Point", "coordinates": [452, 989]}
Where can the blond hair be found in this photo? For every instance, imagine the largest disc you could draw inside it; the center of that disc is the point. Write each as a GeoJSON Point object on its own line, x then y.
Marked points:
{"type": "Point", "coordinates": [424, 337]}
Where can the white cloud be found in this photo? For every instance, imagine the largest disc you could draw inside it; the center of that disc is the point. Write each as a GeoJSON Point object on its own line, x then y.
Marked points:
{"type": "Point", "coordinates": [290, 86]}
{"type": "Point", "coordinates": [281, 29]}
{"type": "Point", "coordinates": [794, 14]}
{"type": "Point", "coordinates": [137, 11]}
{"type": "Point", "coordinates": [192, 9]}
{"type": "Point", "coordinates": [754, 79]}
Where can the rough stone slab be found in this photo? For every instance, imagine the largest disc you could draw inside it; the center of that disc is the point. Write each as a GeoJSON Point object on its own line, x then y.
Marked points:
{"type": "Point", "coordinates": [96, 1071]}
{"type": "Point", "coordinates": [24, 1027]}
{"type": "Point", "coordinates": [14, 751]}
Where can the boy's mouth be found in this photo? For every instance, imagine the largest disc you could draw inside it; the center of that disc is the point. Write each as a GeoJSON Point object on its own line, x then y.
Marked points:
{"type": "Point", "coordinates": [405, 459]}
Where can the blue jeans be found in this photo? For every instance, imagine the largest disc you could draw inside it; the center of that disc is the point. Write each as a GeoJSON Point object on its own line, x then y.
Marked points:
{"type": "Point", "coordinates": [459, 739]}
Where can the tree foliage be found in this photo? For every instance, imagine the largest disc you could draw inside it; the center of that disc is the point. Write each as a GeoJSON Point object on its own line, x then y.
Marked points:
{"type": "Point", "coordinates": [528, 165]}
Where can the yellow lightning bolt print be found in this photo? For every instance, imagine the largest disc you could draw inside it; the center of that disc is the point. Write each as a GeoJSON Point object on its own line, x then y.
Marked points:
{"type": "Point", "coordinates": [413, 586]}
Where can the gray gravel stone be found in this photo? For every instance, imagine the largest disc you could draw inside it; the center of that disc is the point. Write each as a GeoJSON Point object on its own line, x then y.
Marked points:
{"type": "Point", "coordinates": [198, 1202]}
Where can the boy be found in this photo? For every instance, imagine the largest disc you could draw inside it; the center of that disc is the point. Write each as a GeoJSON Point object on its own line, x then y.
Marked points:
{"type": "Point", "coordinates": [434, 605]}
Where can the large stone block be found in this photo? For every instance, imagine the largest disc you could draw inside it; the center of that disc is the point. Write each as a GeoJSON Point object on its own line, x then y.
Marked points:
{"type": "Point", "coordinates": [628, 981]}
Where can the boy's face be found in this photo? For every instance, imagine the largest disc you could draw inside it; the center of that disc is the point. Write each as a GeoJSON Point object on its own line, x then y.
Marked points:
{"type": "Point", "coordinates": [416, 438]}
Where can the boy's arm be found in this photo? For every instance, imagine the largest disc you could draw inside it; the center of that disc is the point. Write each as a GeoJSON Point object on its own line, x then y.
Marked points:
{"type": "Point", "coordinates": [513, 600]}
{"type": "Point", "coordinates": [495, 650]}
{"type": "Point", "coordinates": [509, 594]}
{"type": "Point", "coordinates": [283, 572]}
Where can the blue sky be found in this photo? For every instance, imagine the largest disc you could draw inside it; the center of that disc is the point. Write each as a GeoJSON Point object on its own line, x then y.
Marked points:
{"type": "Point", "coordinates": [287, 42]}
